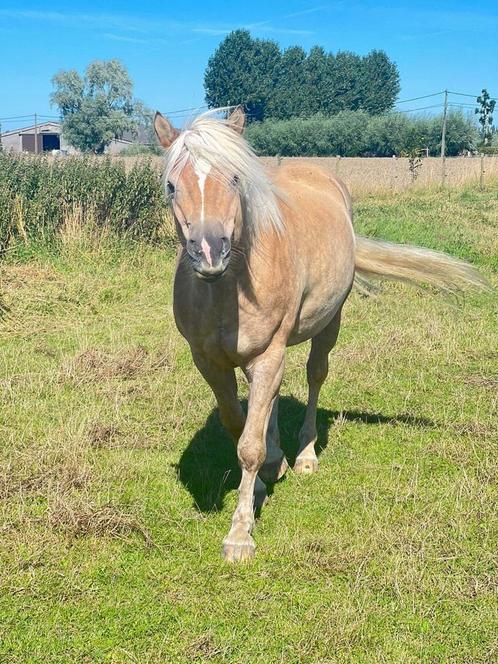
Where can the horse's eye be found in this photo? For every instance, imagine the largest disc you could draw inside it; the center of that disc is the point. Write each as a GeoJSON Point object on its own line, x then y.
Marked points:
{"type": "Point", "coordinates": [170, 189]}
{"type": "Point", "coordinates": [235, 181]}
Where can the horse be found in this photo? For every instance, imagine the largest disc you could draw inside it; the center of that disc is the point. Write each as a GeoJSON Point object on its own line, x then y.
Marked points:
{"type": "Point", "coordinates": [267, 258]}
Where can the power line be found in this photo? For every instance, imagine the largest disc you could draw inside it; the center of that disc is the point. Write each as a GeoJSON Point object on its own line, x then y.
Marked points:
{"type": "Point", "coordinates": [464, 94]}
{"type": "Point", "coordinates": [184, 110]}
{"type": "Point", "coordinates": [434, 94]}
{"type": "Point", "coordinates": [421, 108]}
{"type": "Point", "coordinates": [18, 117]}
{"type": "Point", "coordinates": [454, 103]}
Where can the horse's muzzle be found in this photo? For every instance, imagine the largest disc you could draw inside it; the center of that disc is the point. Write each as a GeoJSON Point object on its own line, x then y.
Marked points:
{"type": "Point", "coordinates": [210, 256]}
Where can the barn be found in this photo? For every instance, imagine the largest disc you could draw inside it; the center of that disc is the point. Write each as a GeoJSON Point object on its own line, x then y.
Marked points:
{"type": "Point", "coordinates": [50, 138]}
{"type": "Point", "coordinates": [47, 135]}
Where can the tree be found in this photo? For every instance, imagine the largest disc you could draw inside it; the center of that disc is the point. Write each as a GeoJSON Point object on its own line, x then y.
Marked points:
{"type": "Point", "coordinates": [97, 107]}
{"type": "Point", "coordinates": [241, 71]}
{"type": "Point", "coordinates": [276, 84]}
{"type": "Point", "coordinates": [485, 112]}
{"type": "Point", "coordinates": [344, 85]}
{"type": "Point", "coordinates": [290, 94]}
{"type": "Point", "coordinates": [379, 83]}
{"type": "Point", "coordinates": [316, 80]}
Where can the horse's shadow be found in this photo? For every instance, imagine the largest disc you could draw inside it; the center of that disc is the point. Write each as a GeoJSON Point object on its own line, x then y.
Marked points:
{"type": "Point", "coordinates": [209, 468]}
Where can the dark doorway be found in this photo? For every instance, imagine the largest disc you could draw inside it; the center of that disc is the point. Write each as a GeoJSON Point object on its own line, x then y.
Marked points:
{"type": "Point", "coordinates": [51, 142]}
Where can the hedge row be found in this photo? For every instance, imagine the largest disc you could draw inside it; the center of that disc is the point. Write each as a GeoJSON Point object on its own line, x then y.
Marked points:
{"type": "Point", "coordinates": [39, 194]}
{"type": "Point", "coordinates": [357, 134]}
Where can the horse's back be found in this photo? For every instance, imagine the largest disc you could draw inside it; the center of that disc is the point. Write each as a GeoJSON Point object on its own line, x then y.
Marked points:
{"type": "Point", "coordinates": [302, 180]}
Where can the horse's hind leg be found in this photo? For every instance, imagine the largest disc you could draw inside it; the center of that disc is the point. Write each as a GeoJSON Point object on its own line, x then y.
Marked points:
{"type": "Point", "coordinates": [275, 463]}
{"type": "Point", "coordinates": [317, 369]}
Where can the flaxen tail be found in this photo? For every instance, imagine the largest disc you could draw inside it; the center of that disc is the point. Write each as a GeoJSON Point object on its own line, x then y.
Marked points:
{"type": "Point", "coordinates": [414, 265]}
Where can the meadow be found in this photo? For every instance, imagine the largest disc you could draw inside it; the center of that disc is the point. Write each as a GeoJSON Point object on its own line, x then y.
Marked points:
{"type": "Point", "coordinates": [117, 482]}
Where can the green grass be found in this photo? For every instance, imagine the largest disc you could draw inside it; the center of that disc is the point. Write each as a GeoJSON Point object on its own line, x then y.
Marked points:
{"type": "Point", "coordinates": [117, 482]}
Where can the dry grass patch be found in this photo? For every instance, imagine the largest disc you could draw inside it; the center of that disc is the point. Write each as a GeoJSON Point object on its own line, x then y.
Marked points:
{"type": "Point", "coordinates": [488, 382]}
{"type": "Point", "coordinates": [43, 474]}
{"type": "Point", "coordinates": [80, 518]}
{"type": "Point", "coordinates": [203, 649]}
{"type": "Point", "coordinates": [102, 435]}
{"type": "Point", "coordinates": [95, 365]}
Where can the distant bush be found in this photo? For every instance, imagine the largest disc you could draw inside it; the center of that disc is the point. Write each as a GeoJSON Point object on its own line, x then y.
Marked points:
{"type": "Point", "coordinates": [357, 134]}
{"type": "Point", "coordinates": [38, 195]}
{"type": "Point", "coordinates": [139, 149]}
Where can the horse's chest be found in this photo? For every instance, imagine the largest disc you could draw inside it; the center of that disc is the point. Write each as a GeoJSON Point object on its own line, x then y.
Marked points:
{"type": "Point", "coordinates": [225, 330]}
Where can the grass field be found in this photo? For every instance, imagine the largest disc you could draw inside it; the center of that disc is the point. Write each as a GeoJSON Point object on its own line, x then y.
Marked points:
{"type": "Point", "coordinates": [117, 483]}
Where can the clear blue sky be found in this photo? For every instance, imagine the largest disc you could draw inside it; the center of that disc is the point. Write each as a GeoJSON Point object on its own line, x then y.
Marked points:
{"type": "Point", "coordinates": [165, 45]}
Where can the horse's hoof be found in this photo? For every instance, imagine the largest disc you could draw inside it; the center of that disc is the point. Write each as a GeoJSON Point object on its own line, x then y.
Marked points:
{"type": "Point", "coordinates": [273, 471]}
{"type": "Point", "coordinates": [238, 550]}
{"type": "Point", "coordinates": [306, 465]}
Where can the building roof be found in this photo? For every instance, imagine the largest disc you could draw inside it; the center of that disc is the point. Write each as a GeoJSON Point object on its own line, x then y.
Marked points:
{"type": "Point", "coordinates": [128, 137]}
{"type": "Point", "coordinates": [42, 127]}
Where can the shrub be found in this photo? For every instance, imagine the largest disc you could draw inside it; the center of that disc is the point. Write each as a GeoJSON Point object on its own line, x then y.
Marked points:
{"type": "Point", "coordinates": [38, 195]}
{"type": "Point", "coordinates": [357, 134]}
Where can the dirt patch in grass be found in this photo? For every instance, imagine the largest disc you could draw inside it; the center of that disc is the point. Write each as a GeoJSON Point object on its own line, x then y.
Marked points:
{"type": "Point", "coordinates": [102, 435]}
{"type": "Point", "coordinates": [14, 277]}
{"type": "Point", "coordinates": [59, 477]}
{"type": "Point", "coordinates": [93, 365]}
{"type": "Point", "coordinates": [202, 649]}
{"type": "Point", "coordinates": [488, 382]}
{"type": "Point", "coordinates": [82, 518]}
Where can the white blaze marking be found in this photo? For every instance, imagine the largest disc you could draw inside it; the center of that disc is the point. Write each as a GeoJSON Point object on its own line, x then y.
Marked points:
{"type": "Point", "coordinates": [202, 169]}
{"type": "Point", "coordinates": [207, 250]}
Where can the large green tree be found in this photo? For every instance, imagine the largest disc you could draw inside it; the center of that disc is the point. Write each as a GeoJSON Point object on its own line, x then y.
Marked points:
{"type": "Point", "coordinates": [276, 84]}
{"type": "Point", "coordinates": [98, 106]}
{"type": "Point", "coordinates": [316, 81]}
{"type": "Point", "coordinates": [241, 71]}
{"type": "Point", "coordinates": [379, 83]}
{"type": "Point", "coordinates": [290, 92]}
{"type": "Point", "coordinates": [343, 82]}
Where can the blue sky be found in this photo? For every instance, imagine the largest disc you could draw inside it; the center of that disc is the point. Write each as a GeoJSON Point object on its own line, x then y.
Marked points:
{"type": "Point", "coordinates": [166, 45]}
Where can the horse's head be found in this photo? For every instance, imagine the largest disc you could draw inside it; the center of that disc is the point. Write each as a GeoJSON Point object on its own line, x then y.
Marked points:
{"type": "Point", "coordinates": [206, 203]}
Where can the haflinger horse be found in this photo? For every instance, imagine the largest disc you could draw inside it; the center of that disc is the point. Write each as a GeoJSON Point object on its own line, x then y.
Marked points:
{"type": "Point", "coordinates": [267, 260]}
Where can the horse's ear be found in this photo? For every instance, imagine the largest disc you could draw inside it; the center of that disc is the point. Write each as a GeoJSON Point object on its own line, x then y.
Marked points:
{"type": "Point", "coordinates": [165, 131]}
{"type": "Point", "coordinates": [237, 119]}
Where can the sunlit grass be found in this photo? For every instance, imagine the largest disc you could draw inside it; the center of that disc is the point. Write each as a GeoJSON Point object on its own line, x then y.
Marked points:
{"type": "Point", "coordinates": [117, 483]}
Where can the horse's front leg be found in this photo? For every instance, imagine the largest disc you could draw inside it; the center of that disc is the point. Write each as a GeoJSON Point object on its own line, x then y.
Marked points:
{"type": "Point", "coordinates": [224, 385]}
{"type": "Point", "coordinates": [266, 375]}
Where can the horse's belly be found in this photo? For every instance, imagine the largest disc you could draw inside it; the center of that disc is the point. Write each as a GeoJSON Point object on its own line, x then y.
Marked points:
{"type": "Point", "coordinates": [314, 318]}
{"type": "Point", "coordinates": [320, 304]}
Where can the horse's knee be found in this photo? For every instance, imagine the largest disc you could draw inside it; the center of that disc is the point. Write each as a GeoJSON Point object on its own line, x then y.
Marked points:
{"type": "Point", "coordinates": [251, 452]}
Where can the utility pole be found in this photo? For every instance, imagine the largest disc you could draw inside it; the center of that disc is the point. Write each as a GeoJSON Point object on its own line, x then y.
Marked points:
{"type": "Point", "coordinates": [443, 139]}
{"type": "Point", "coordinates": [36, 134]}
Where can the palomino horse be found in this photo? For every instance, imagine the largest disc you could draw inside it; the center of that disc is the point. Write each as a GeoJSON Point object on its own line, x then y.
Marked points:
{"type": "Point", "coordinates": [267, 260]}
